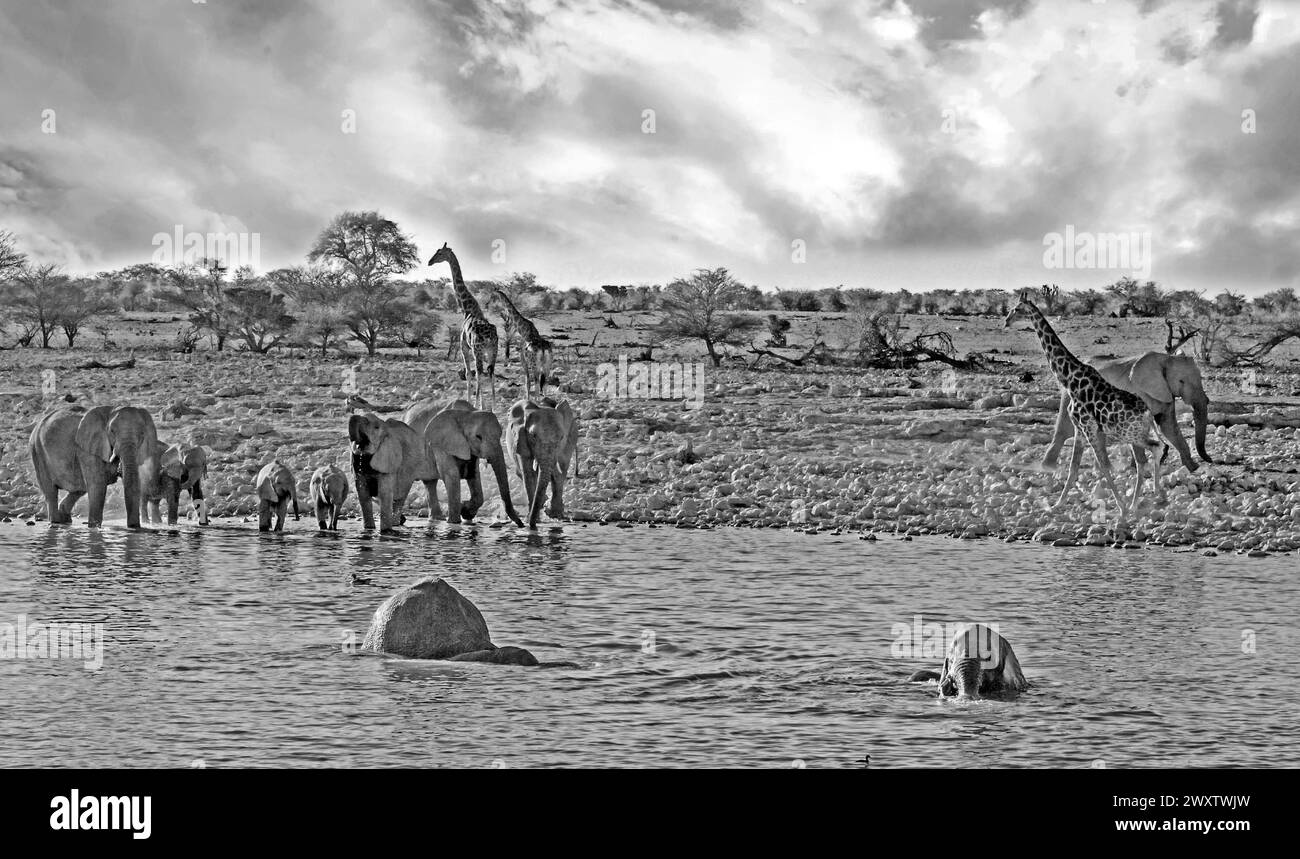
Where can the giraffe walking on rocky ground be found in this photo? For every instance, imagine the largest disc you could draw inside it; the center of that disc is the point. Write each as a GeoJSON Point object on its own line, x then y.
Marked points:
{"type": "Point", "coordinates": [1102, 413]}
{"type": "Point", "coordinates": [535, 351]}
{"type": "Point", "coordinates": [478, 337]}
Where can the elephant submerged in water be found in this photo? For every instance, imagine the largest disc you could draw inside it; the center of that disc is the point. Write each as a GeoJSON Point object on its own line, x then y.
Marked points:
{"type": "Point", "coordinates": [980, 664]}
{"type": "Point", "coordinates": [1160, 380]}
{"type": "Point", "coordinates": [81, 451]}
{"type": "Point", "coordinates": [543, 438]}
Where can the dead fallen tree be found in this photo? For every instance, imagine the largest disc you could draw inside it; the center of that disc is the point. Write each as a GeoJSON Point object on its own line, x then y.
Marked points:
{"type": "Point", "coordinates": [93, 364]}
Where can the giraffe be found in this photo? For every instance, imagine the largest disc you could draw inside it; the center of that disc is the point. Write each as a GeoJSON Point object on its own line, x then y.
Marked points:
{"type": "Point", "coordinates": [478, 337]}
{"type": "Point", "coordinates": [535, 351]}
{"type": "Point", "coordinates": [1101, 413]}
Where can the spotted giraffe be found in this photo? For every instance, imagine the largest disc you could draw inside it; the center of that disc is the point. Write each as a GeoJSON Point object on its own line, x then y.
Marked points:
{"type": "Point", "coordinates": [535, 351]}
{"type": "Point", "coordinates": [478, 337]}
{"type": "Point", "coordinates": [1101, 412]}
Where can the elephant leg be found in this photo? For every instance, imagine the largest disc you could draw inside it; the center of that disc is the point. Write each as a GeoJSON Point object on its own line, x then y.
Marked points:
{"type": "Point", "coordinates": [363, 499]}
{"type": "Point", "coordinates": [386, 502]}
{"type": "Point", "coordinates": [556, 510]}
{"type": "Point", "coordinates": [196, 495]}
{"type": "Point", "coordinates": [64, 510]}
{"type": "Point", "coordinates": [475, 503]}
{"type": "Point", "coordinates": [96, 492]}
{"type": "Point", "coordinates": [452, 483]}
{"type": "Point", "coordinates": [431, 489]}
{"type": "Point", "coordinates": [1167, 420]}
{"type": "Point", "coordinates": [1064, 429]}
{"type": "Point", "coordinates": [334, 516]}
{"type": "Point", "coordinates": [281, 512]}
{"type": "Point", "coordinates": [264, 515]}
{"type": "Point", "coordinates": [467, 356]}
{"type": "Point", "coordinates": [322, 513]}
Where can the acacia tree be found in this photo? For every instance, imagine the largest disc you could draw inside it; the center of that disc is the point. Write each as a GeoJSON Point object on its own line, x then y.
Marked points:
{"type": "Point", "coordinates": [11, 259]}
{"type": "Point", "coordinates": [695, 309]}
{"type": "Point", "coordinates": [368, 250]}
{"type": "Point", "coordinates": [317, 293]}
{"type": "Point", "coordinates": [34, 300]}
{"type": "Point", "coordinates": [80, 301]}
{"type": "Point", "coordinates": [258, 316]}
{"type": "Point", "coordinates": [201, 288]}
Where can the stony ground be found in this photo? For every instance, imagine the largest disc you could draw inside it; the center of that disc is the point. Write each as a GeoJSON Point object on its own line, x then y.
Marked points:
{"type": "Point", "coordinates": [918, 451]}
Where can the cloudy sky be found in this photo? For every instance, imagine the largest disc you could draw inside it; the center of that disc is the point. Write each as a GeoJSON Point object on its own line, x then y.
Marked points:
{"type": "Point", "coordinates": [922, 144]}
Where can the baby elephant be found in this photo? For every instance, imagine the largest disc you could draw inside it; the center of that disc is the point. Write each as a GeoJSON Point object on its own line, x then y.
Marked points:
{"type": "Point", "coordinates": [275, 486]}
{"type": "Point", "coordinates": [329, 489]}
{"type": "Point", "coordinates": [179, 467]}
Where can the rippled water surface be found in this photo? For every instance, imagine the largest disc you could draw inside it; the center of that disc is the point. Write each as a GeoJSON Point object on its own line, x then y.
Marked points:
{"type": "Point", "coordinates": [769, 647]}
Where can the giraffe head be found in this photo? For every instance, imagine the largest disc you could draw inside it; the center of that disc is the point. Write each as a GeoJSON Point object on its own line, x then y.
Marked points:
{"type": "Point", "coordinates": [1023, 307]}
{"type": "Point", "coordinates": [442, 254]}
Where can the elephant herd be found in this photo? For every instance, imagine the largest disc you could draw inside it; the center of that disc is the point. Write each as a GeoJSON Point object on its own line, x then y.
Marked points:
{"type": "Point", "coordinates": [82, 451]}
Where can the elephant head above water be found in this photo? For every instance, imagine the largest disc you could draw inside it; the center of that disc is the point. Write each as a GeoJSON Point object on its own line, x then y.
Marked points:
{"type": "Point", "coordinates": [180, 467]}
{"type": "Point", "coordinates": [82, 451]}
{"type": "Point", "coordinates": [387, 457]}
{"type": "Point", "coordinates": [276, 488]}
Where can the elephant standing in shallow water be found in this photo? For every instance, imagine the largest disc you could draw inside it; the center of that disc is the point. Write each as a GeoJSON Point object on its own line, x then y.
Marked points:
{"type": "Point", "coordinates": [82, 451]}
{"type": "Point", "coordinates": [456, 437]}
{"type": "Point", "coordinates": [1160, 380]}
{"type": "Point", "coordinates": [276, 487]}
{"type": "Point", "coordinates": [179, 467]}
{"type": "Point", "coordinates": [387, 457]}
{"type": "Point", "coordinates": [544, 441]}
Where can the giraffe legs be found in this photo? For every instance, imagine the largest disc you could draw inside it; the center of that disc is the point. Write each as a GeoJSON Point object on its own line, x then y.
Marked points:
{"type": "Point", "coordinates": [1097, 439]}
{"type": "Point", "coordinates": [1076, 457]}
{"type": "Point", "coordinates": [467, 355]}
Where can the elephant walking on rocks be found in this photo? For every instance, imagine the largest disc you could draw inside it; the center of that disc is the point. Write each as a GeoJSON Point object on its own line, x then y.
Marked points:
{"type": "Point", "coordinates": [456, 437]}
{"type": "Point", "coordinates": [276, 487]}
{"type": "Point", "coordinates": [329, 489]}
{"type": "Point", "coordinates": [544, 441]}
{"type": "Point", "coordinates": [179, 467]}
{"type": "Point", "coordinates": [1160, 380]}
{"type": "Point", "coordinates": [81, 451]}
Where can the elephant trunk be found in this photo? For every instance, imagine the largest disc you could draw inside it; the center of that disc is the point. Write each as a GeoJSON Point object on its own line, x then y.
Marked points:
{"type": "Point", "coordinates": [545, 464]}
{"type": "Point", "coordinates": [498, 463]}
{"type": "Point", "coordinates": [172, 492]}
{"type": "Point", "coordinates": [1200, 417]}
{"type": "Point", "coordinates": [131, 484]}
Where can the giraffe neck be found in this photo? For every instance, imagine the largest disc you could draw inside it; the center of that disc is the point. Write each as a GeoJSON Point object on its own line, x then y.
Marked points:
{"type": "Point", "coordinates": [521, 323]}
{"type": "Point", "coordinates": [468, 305]}
{"type": "Point", "coordinates": [1064, 365]}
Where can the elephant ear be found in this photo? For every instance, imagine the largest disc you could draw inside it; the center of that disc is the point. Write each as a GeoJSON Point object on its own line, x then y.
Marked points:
{"type": "Point", "coordinates": [266, 485]}
{"type": "Point", "coordinates": [388, 455]}
{"type": "Point", "coordinates": [170, 463]}
{"type": "Point", "coordinates": [447, 434]}
{"type": "Point", "coordinates": [566, 412]}
{"type": "Point", "coordinates": [517, 412]}
{"type": "Point", "coordinates": [92, 435]}
{"type": "Point", "coordinates": [196, 460]}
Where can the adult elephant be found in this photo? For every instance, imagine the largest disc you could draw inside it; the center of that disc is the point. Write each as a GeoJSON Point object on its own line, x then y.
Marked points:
{"type": "Point", "coordinates": [1159, 379]}
{"type": "Point", "coordinates": [387, 457]}
{"type": "Point", "coordinates": [543, 440]}
{"type": "Point", "coordinates": [456, 437]}
{"type": "Point", "coordinates": [179, 467]}
{"type": "Point", "coordinates": [81, 451]}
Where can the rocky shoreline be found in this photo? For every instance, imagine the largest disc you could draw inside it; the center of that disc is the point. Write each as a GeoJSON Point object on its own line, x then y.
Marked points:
{"type": "Point", "coordinates": [814, 451]}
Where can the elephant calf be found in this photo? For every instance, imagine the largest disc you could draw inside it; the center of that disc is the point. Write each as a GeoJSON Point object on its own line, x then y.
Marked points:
{"type": "Point", "coordinates": [179, 467]}
{"type": "Point", "coordinates": [544, 440]}
{"type": "Point", "coordinates": [275, 487]}
{"type": "Point", "coordinates": [329, 489]}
